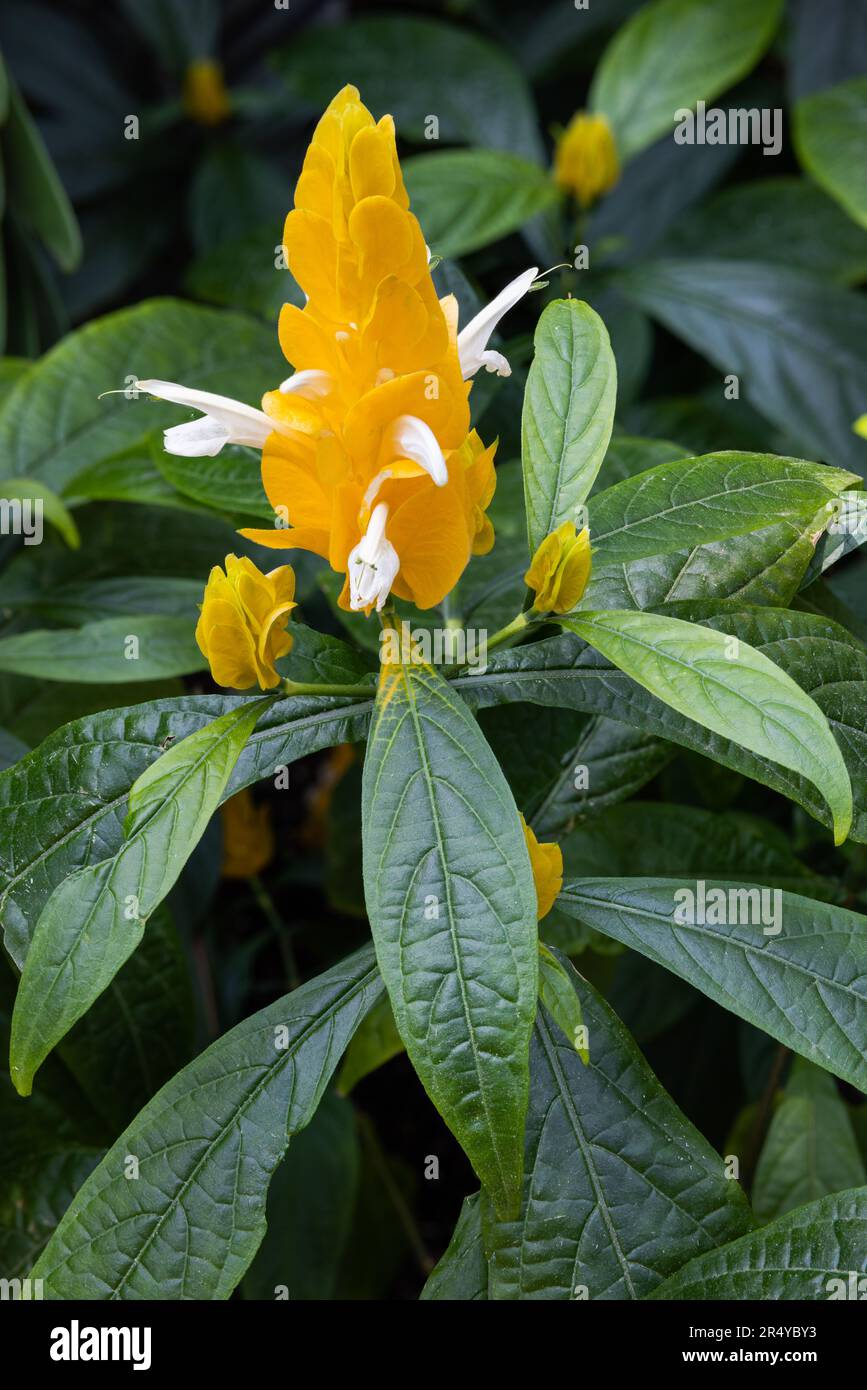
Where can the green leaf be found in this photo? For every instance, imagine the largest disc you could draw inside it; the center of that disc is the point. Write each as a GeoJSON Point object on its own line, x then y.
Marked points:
{"type": "Point", "coordinates": [694, 501]}
{"type": "Point", "coordinates": [94, 920]}
{"type": "Point", "coordinates": [375, 1043]}
{"type": "Point", "coordinates": [56, 513]}
{"type": "Point", "coordinates": [53, 424]}
{"type": "Point", "coordinates": [795, 342]}
{"type": "Point", "coordinates": [68, 799]}
{"type": "Point", "coordinates": [829, 132]}
{"type": "Point", "coordinates": [33, 188]}
{"type": "Point", "coordinates": [104, 652]}
{"type": "Point", "coordinates": [786, 221]}
{"type": "Point", "coordinates": [670, 55]}
{"type": "Point", "coordinates": [488, 103]}
{"type": "Point", "coordinates": [810, 1150]}
{"type": "Point", "coordinates": [814, 1252]}
{"type": "Point", "coordinates": [733, 690]}
{"type": "Point", "coordinates": [818, 654]}
{"type": "Point", "coordinates": [608, 763]}
{"type": "Point", "coordinates": [462, 1273]}
{"type": "Point", "coordinates": [600, 1213]}
{"type": "Point", "coordinates": [467, 199]}
{"type": "Point", "coordinates": [310, 1208]}
{"type": "Point", "coordinates": [239, 274]}
{"type": "Point", "coordinates": [230, 482]}
{"type": "Point", "coordinates": [806, 985]}
{"type": "Point", "coordinates": [452, 909]}
{"type": "Point", "coordinates": [630, 454]}
{"type": "Point", "coordinates": [93, 600]}
{"type": "Point", "coordinates": [558, 994]}
{"type": "Point", "coordinates": [206, 1148]}
{"type": "Point", "coordinates": [568, 414]}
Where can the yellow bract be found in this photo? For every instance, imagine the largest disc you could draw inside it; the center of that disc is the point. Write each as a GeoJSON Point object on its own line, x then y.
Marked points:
{"type": "Point", "coordinates": [378, 408]}
{"type": "Point", "coordinates": [585, 160]}
{"type": "Point", "coordinates": [205, 97]}
{"type": "Point", "coordinates": [248, 836]}
{"type": "Point", "coordinates": [546, 861]}
{"type": "Point", "coordinates": [560, 569]}
{"type": "Point", "coordinates": [242, 627]}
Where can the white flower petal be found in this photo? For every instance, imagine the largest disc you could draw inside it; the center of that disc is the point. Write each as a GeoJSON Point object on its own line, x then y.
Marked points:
{"type": "Point", "coordinates": [238, 423]}
{"type": "Point", "coordinates": [310, 383]}
{"type": "Point", "coordinates": [372, 564]}
{"type": "Point", "coordinates": [473, 340]}
{"type": "Point", "coordinates": [410, 438]}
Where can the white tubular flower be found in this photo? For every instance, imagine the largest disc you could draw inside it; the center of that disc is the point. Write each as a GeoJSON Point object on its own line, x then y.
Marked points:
{"type": "Point", "coordinates": [473, 348]}
{"type": "Point", "coordinates": [224, 421]}
{"type": "Point", "coordinates": [312, 384]}
{"type": "Point", "coordinates": [372, 565]}
{"type": "Point", "coordinates": [410, 438]}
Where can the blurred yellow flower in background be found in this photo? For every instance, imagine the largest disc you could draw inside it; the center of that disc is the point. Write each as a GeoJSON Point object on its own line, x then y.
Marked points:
{"type": "Point", "coordinates": [546, 861]}
{"type": "Point", "coordinates": [248, 836]}
{"type": "Point", "coordinates": [242, 629]}
{"type": "Point", "coordinates": [560, 569]}
{"type": "Point", "coordinates": [205, 97]}
{"type": "Point", "coordinates": [585, 159]}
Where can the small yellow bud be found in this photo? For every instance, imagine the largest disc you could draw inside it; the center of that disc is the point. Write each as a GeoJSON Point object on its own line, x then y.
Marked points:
{"type": "Point", "coordinates": [248, 836]}
{"type": "Point", "coordinates": [546, 861]}
{"type": "Point", "coordinates": [244, 617]}
{"type": "Point", "coordinates": [585, 159]}
{"type": "Point", "coordinates": [560, 569]}
{"type": "Point", "coordinates": [205, 97]}
{"type": "Point", "coordinates": [860, 426]}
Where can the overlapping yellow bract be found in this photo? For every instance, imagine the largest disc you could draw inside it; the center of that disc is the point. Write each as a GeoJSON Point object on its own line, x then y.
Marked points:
{"type": "Point", "coordinates": [242, 627]}
{"type": "Point", "coordinates": [585, 160]}
{"type": "Point", "coordinates": [560, 569]}
{"type": "Point", "coordinates": [546, 862]}
{"type": "Point", "coordinates": [373, 345]}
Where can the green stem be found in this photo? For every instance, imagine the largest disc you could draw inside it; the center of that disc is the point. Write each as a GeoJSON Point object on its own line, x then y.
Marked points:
{"type": "Point", "coordinates": [281, 931]}
{"type": "Point", "coordinates": [300, 688]}
{"type": "Point", "coordinates": [512, 630]}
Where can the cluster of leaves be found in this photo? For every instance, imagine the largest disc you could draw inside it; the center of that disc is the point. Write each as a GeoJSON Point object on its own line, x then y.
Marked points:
{"type": "Point", "coordinates": [715, 665]}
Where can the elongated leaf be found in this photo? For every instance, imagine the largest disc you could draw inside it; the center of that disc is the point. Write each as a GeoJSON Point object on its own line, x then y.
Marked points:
{"type": "Point", "coordinates": [467, 199]}
{"type": "Point", "coordinates": [816, 652]}
{"type": "Point", "coordinates": [375, 1043]}
{"type": "Point", "coordinates": [673, 53]}
{"type": "Point", "coordinates": [114, 651]}
{"type": "Point", "coordinates": [462, 1273]}
{"type": "Point", "coordinates": [63, 807]}
{"type": "Point", "coordinates": [231, 482]}
{"type": "Point", "coordinates": [795, 342]}
{"type": "Point", "coordinates": [33, 187]}
{"type": "Point", "coordinates": [558, 994]}
{"type": "Point", "coordinates": [810, 1150]}
{"type": "Point", "coordinates": [830, 129]}
{"type": "Point", "coordinates": [452, 910]}
{"type": "Point", "coordinates": [787, 221]}
{"type": "Point", "coordinates": [601, 1217]}
{"type": "Point", "coordinates": [608, 763]}
{"type": "Point", "coordinates": [735, 691]}
{"type": "Point", "coordinates": [568, 414]}
{"type": "Point", "coordinates": [206, 1147]}
{"type": "Point", "coordinates": [814, 1252]}
{"type": "Point", "coordinates": [806, 985]}
{"type": "Point", "coordinates": [93, 922]}
{"type": "Point", "coordinates": [489, 103]}
{"type": "Point", "coordinates": [53, 424]}
{"type": "Point", "coordinates": [697, 500]}
{"type": "Point", "coordinates": [96, 599]}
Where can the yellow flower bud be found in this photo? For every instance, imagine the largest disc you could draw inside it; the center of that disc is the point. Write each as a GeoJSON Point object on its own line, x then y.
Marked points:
{"type": "Point", "coordinates": [248, 836]}
{"type": "Point", "coordinates": [860, 426]}
{"type": "Point", "coordinates": [546, 861]}
{"type": "Point", "coordinates": [585, 159]}
{"type": "Point", "coordinates": [243, 622]}
{"type": "Point", "coordinates": [205, 97]}
{"type": "Point", "coordinates": [560, 569]}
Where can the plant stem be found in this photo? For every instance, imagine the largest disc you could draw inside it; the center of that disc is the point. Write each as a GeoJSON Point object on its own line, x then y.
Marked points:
{"type": "Point", "coordinates": [301, 688]}
{"type": "Point", "coordinates": [512, 630]}
{"type": "Point", "coordinates": [281, 931]}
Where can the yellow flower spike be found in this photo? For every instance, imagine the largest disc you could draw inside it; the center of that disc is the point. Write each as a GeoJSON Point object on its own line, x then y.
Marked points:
{"type": "Point", "coordinates": [248, 836]}
{"type": "Point", "coordinates": [242, 627]}
{"type": "Point", "coordinates": [560, 569]}
{"type": "Point", "coordinates": [585, 159]}
{"type": "Point", "coordinates": [546, 861]}
{"type": "Point", "coordinates": [205, 97]}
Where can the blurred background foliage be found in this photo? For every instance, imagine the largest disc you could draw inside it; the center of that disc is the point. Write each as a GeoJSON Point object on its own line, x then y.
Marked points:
{"type": "Point", "coordinates": [149, 149]}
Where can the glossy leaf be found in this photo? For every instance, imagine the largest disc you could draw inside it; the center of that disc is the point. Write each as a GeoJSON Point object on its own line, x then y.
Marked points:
{"type": "Point", "coordinates": [829, 130]}
{"type": "Point", "coordinates": [452, 909]}
{"type": "Point", "coordinates": [462, 1273]}
{"type": "Point", "coordinates": [467, 199]}
{"type": "Point", "coordinates": [113, 651]}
